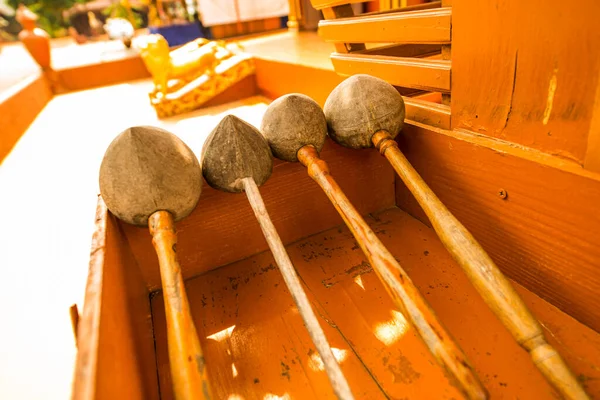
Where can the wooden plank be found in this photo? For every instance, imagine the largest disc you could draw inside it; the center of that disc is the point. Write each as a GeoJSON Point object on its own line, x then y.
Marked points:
{"type": "Point", "coordinates": [19, 107]}
{"type": "Point", "coordinates": [432, 75]}
{"type": "Point", "coordinates": [427, 113]}
{"type": "Point", "coordinates": [320, 4]}
{"type": "Point", "coordinates": [115, 356]}
{"type": "Point", "coordinates": [404, 50]}
{"type": "Point", "coordinates": [414, 7]}
{"type": "Point", "coordinates": [545, 234]}
{"type": "Point", "coordinates": [342, 11]}
{"type": "Point", "coordinates": [526, 72]}
{"type": "Point", "coordinates": [223, 227]}
{"type": "Point", "coordinates": [246, 318]}
{"type": "Point", "coordinates": [428, 26]}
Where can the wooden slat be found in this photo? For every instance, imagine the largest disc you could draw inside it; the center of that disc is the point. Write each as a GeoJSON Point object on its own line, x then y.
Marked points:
{"type": "Point", "coordinates": [320, 4]}
{"type": "Point", "coordinates": [432, 75]}
{"type": "Point", "coordinates": [428, 113]}
{"type": "Point", "coordinates": [223, 227]}
{"type": "Point", "coordinates": [414, 7]}
{"type": "Point", "coordinates": [342, 11]}
{"type": "Point", "coordinates": [525, 72]}
{"type": "Point", "coordinates": [427, 26]}
{"type": "Point", "coordinates": [115, 358]}
{"type": "Point", "coordinates": [545, 234]}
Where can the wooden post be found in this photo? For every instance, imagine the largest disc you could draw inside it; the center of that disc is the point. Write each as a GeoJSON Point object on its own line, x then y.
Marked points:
{"type": "Point", "coordinates": [188, 369]}
{"type": "Point", "coordinates": [397, 283]}
{"type": "Point", "coordinates": [336, 377]}
{"type": "Point", "coordinates": [487, 278]}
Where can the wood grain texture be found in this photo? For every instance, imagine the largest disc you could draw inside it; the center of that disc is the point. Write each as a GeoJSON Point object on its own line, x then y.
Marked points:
{"type": "Point", "coordinates": [342, 11]}
{"type": "Point", "coordinates": [188, 367]}
{"type": "Point", "coordinates": [486, 277]}
{"type": "Point", "coordinates": [115, 356]}
{"type": "Point", "coordinates": [526, 72]}
{"type": "Point", "coordinates": [223, 228]}
{"type": "Point", "coordinates": [19, 108]}
{"type": "Point", "coordinates": [428, 26]}
{"type": "Point", "coordinates": [432, 75]}
{"type": "Point", "coordinates": [545, 234]}
{"type": "Point", "coordinates": [256, 345]}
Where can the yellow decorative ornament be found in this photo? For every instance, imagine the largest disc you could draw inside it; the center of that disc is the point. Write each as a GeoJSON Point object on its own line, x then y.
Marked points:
{"type": "Point", "coordinates": [189, 76]}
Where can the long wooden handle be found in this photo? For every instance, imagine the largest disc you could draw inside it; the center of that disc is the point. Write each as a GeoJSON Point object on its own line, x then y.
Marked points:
{"type": "Point", "coordinates": [487, 278]}
{"type": "Point", "coordinates": [188, 371]}
{"type": "Point", "coordinates": [336, 377]}
{"type": "Point", "coordinates": [397, 283]}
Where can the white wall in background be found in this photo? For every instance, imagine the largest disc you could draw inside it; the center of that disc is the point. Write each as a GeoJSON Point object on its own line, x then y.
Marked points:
{"type": "Point", "coordinates": [218, 12]}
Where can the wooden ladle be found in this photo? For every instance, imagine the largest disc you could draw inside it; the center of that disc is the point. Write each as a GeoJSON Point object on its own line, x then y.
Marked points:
{"type": "Point", "coordinates": [149, 177]}
{"type": "Point", "coordinates": [236, 158]}
{"type": "Point", "coordinates": [364, 111]}
{"type": "Point", "coordinates": [295, 127]}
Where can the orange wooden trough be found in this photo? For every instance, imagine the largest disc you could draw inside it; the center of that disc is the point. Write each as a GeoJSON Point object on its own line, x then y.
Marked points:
{"type": "Point", "coordinates": [503, 125]}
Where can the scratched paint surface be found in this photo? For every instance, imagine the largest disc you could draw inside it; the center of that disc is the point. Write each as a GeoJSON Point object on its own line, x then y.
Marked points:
{"type": "Point", "coordinates": [256, 346]}
{"type": "Point", "coordinates": [526, 72]}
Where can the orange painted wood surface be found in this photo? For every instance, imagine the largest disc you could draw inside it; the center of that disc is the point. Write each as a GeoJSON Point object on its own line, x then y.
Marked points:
{"type": "Point", "coordinates": [102, 74]}
{"type": "Point", "coordinates": [115, 358]}
{"type": "Point", "coordinates": [273, 80]}
{"type": "Point", "coordinates": [428, 26]}
{"type": "Point", "coordinates": [255, 345]}
{"type": "Point", "coordinates": [526, 72]}
{"type": "Point", "coordinates": [212, 235]}
{"type": "Point", "coordinates": [18, 109]}
{"type": "Point", "coordinates": [320, 4]}
{"type": "Point", "coordinates": [432, 75]}
{"type": "Point", "coordinates": [545, 233]}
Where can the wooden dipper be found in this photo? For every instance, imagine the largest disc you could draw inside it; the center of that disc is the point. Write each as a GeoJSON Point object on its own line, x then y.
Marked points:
{"type": "Point", "coordinates": [295, 127]}
{"type": "Point", "coordinates": [150, 177]}
{"type": "Point", "coordinates": [364, 111]}
{"type": "Point", "coordinates": [236, 158]}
